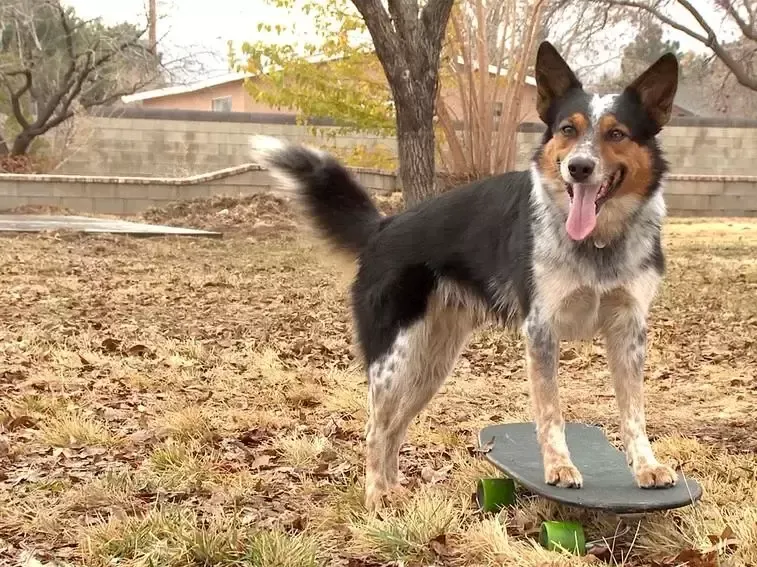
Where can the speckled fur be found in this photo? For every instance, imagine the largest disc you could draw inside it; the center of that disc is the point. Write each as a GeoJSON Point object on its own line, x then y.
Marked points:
{"type": "Point", "coordinates": [496, 252]}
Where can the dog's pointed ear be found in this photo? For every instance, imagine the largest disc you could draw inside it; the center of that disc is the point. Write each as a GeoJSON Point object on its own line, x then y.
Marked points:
{"type": "Point", "coordinates": [656, 88]}
{"type": "Point", "coordinates": [554, 78]}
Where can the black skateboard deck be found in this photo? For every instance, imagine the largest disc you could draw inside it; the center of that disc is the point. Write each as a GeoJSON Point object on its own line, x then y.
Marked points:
{"type": "Point", "coordinates": [608, 483]}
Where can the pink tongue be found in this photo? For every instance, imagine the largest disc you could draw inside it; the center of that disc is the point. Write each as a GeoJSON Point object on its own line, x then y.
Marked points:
{"type": "Point", "coordinates": [582, 216]}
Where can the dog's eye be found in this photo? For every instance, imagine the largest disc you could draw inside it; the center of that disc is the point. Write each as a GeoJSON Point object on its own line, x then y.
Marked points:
{"type": "Point", "coordinates": [568, 130]}
{"type": "Point", "coordinates": [616, 134]}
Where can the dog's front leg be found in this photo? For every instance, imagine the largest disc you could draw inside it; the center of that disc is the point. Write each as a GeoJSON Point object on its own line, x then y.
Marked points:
{"type": "Point", "coordinates": [542, 354]}
{"type": "Point", "coordinates": [625, 331]}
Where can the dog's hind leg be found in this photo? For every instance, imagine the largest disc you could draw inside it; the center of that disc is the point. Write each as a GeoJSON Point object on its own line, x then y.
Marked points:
{"type": "Point", "coordinates": [401, 383]}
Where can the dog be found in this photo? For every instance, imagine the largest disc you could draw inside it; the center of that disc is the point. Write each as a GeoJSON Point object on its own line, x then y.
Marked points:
{"type": "Point", "coordinates": [566, 250]}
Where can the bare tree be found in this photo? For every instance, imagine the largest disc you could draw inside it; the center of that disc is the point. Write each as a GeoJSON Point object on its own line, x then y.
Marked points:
{"type": "Point", "coordinates": [742, 14]}
{"type": "Point", "coordinates": [488, 69]}
{"type": "Point", "coordinates": [408, 42]}
{"type": "Point", "coordinates": [53, 63]}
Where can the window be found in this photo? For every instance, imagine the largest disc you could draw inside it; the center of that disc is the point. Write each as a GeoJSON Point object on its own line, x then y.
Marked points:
{"type": "Point", "coordinates": [221, 104]}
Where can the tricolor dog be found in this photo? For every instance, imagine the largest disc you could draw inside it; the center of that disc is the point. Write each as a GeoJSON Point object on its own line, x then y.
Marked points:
{"type": "Point", "coordinates": [566, 250]}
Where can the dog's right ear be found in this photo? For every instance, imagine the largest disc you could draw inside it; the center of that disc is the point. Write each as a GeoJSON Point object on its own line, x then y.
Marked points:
{"type": "Point", "coordinates": [553, 79]}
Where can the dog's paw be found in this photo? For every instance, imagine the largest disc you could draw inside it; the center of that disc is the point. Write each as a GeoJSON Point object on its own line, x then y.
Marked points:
{"type": "Point", "coordinates": [374, 497]}
{"type": "Point", "coordinates": [563, 475]}
{"type": "Point", "coordinates": [377, 498]}
{"type": "Point", "coordinates": [655, 475]}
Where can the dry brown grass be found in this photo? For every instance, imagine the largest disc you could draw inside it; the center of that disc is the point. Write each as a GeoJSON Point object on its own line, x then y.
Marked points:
{"type": "Point", "coordinates": [197, 402]}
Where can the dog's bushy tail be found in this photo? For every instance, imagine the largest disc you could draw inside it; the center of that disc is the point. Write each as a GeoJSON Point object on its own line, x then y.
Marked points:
{"type": "Point", "coordinates": [340, 208]}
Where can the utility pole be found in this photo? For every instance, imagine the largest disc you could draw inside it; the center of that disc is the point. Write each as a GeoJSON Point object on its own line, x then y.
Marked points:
{"type": "Point", "coordinates": [153, 20]}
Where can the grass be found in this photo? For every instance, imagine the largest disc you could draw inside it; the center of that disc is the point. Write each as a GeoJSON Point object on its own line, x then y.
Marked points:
{"type": "Point", "coordinates": [74, 429]}
{"type": "Point", "coordinates": [188, 402]}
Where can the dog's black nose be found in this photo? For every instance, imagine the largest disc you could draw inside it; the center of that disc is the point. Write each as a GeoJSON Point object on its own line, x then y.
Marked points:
{"type": "Point", "coordinates": [581, 168]}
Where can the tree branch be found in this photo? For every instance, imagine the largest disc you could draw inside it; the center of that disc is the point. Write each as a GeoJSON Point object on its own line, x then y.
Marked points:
{"type": "Point", "coordinates": [68, 34]}
{"type": "Point", "coordinates": [746, 28]}
{"type": "Point", "coordinates": [404, 13]}
{"type": "Point", "coordinates": [659, 15]}
{"type": "Point", "coordinates": [385, 38]}
{"type": "Point", "coordinates": [738, 69]}
{"type": "Point", "coordinates": [434, 17]}
{"type": "Point", "coordinates": [18, 112]}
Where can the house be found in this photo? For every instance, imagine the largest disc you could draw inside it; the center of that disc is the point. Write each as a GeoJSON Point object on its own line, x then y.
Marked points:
{"type": "Point", "coordinates": [227, 93]}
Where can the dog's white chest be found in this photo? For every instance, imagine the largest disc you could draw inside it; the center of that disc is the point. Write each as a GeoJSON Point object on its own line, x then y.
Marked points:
{"type": "Point", "coordinates": [578, 315]}
{"type": "Point", "coordinates": [571, 304]}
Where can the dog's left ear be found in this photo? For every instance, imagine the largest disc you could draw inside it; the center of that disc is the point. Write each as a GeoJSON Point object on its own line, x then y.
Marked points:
{"type": "Point", "coordinates": [656, 88]}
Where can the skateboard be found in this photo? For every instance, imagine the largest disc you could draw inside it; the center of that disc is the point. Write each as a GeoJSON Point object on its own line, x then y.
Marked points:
{"type": "Point", "coordinates": [608, 483]}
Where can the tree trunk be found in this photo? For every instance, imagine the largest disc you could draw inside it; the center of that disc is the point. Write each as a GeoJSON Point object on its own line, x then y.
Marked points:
{"type": "Point", "coordinates": [415, 144]}
{"type": "Point", "coordinates": [414, 106]}
{"type": "Point", "coordinates": [21, 144]}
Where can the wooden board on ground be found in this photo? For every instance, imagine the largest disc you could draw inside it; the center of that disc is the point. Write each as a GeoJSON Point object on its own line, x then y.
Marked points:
{"type": "Point", "coordinates": [45, 223]}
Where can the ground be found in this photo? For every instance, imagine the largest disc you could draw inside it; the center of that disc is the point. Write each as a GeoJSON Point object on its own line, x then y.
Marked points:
{"type": "Point", "coordinates": [176, 401]}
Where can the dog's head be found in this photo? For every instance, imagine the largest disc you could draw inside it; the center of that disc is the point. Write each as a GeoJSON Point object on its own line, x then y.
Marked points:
{"type": "Point", "coordinates": [599, 159]}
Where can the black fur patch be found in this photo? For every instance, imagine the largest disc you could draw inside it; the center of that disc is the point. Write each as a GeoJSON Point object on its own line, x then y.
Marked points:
{"type": "Point", "coordinates": [478, 236]}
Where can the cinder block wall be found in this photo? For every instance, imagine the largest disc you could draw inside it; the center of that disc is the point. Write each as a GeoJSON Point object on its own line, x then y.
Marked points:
{"type": "Point", "coordinates": [685, 195]}
{"type": "Point", "coordinates": [133, 195]}
{"type": "Point", "coordinates": [143, 159]}
{"type": "Point", "coordinates": [155, 142]}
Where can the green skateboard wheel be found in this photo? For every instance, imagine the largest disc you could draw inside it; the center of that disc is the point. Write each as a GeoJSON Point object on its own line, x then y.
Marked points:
{"type": "Point", "coordinates": [563, 536]}
{"type": "Point", "coordinates": [493, 494]}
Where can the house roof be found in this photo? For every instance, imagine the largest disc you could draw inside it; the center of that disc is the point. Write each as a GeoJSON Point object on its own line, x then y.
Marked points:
{"type": "Point", "coordinates": [494, 70]}
{"type": "Point", "coordinates": [207, 83]}
{"type": "Point", "coordinates": [182, 89]}
{"type": "Point", "coordinates": [233, 77]}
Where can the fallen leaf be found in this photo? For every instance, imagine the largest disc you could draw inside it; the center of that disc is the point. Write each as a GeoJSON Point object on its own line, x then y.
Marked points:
{"type": "Point", "coordinates": [21, 421]}
{"type": "Point", "coordinates": [139, 350]}
{"type": "Point", "coordinates": [726, 541]}
{"type": "Point", "coordinates": [486, 447]}
{"type": "Point", "coordinates": [141, 436]}
{"type": "Point", "coordinates": [599, 553]}
{"type": "Point", "coordinates": [253, 437]}
{"type": "Point", "coordinates": [111, 345]}
{"type": "Point", "coordinates": [439, 546]}
{"type": "Point", "coordinates": [261, 461]}
{"type": "Point", "coordinates": [432, 476]}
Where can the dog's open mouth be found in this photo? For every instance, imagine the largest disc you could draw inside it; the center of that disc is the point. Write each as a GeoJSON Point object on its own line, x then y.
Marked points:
{"type": "Point", "coordinates": [585, 202]}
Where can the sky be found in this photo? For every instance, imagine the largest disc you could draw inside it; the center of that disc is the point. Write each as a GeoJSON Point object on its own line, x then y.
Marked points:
{"type": "Point", "coordinates": [205, 27]}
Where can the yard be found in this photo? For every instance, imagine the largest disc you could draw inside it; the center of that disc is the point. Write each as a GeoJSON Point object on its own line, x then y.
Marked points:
{"type": "Point", "coordinates": [176, 402]}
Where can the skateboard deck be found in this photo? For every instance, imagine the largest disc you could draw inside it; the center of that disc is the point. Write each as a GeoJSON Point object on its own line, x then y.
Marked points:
{"type": "Point", "coordinates": [608, 482]}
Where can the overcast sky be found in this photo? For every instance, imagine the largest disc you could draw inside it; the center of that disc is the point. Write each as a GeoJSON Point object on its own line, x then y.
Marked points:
{"type": "Point", "coordinates": [207, 26]}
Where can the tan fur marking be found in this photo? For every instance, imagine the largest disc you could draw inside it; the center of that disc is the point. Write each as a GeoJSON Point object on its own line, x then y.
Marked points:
{"type": "Point", "coordinates": [636, 159]}
{"type": "Point", "coordinates": [559, 146]}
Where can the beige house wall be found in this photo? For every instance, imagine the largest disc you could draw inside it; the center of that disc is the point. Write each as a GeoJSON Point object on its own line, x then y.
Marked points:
{"type": "Point", "coordinates": [243, 102]}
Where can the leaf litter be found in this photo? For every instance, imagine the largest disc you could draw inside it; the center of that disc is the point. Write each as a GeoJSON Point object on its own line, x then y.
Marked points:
{"type": "Point", "coordinates": [254, 331]}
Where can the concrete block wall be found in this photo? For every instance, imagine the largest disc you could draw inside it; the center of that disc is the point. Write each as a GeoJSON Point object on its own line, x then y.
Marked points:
{"type": "Point", "coordinates": [686, 195]}
{"type": "Point", "coordinates": [171, 143]}
{"type": "Point", "coordinates": [717, 196]}
{"type": "Point", "coordinates": [167, 147]}
{"type": "Point", "coordinates": [133, 195]}
{"type": "Point", "coordinates": [150, 158]}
